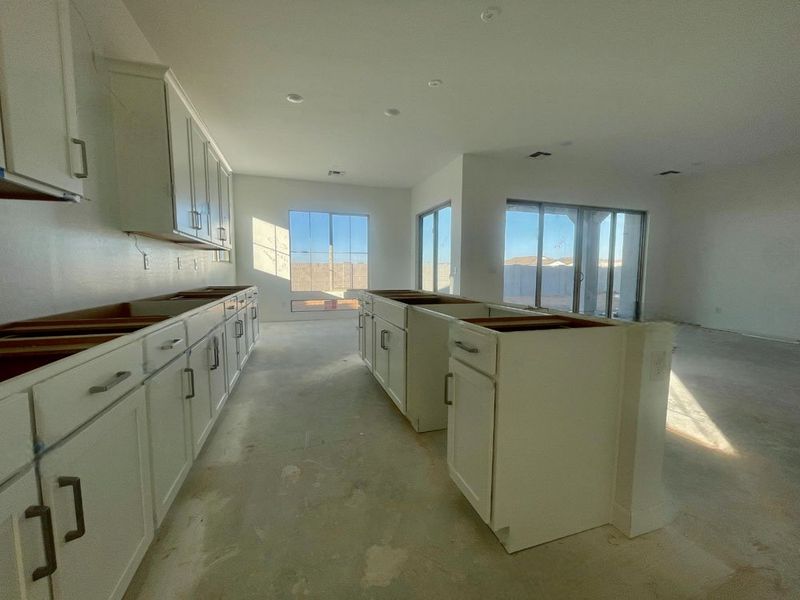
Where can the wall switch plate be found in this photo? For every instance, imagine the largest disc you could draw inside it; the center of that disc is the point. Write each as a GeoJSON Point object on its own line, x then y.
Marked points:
{"type": "Point", "coordinates": [146, 262]}
{"type": "Point", "coordinates": [179, 264]}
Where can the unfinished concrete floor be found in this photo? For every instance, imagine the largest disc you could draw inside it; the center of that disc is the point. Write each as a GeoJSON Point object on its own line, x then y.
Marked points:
{"type": "Point", "coordinates": [313, 486]}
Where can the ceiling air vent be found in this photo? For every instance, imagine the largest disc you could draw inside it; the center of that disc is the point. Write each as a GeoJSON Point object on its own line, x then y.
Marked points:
{"type": "Point", "coordinates": [670, 173]}
{"type": "Point", "coordinates": [335, 173]}
{"type": "Point", "coordinates": [539, 154]}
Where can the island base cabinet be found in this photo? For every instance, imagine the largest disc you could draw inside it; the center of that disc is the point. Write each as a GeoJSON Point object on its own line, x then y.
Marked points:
{"type": "Point", "coordinates": [170, 439]}
{"type": "Point", "coordinates": [25, 532]}
{"type": "Point", "coordinates": [97, 485]}
{"type": "Point", "coordinates": [390, 360]}
{"type": "Point", "coordinates": [470, 434]}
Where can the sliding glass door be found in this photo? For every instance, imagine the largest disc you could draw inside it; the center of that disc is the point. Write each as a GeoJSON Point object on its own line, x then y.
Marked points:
{"type": "Point", "coordinates": [434, 261]}
{"type": "Point", "coordinates": [574, 258]}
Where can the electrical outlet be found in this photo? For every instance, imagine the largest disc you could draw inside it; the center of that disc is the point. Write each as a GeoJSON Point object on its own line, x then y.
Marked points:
{"type": "Point", "coordinates": [179, 264]}
{"type": "Point", "coordinates": [195, 264]}
{"type": "Point", "coordinates": [146, 262]}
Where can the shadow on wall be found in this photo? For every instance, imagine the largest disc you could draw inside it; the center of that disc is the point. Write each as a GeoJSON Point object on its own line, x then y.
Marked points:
{"type": "Point", "coordinates": [271, 249]}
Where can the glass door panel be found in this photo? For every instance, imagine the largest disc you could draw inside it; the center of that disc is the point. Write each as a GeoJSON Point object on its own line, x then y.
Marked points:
{"type": "Point", "coordinates": [426, 252]}
{"type": "Point", "coordinates": [627, 257]}
{"type": "Point", "coordinates": [558, 257]}
{"type": "Point", "coordinates": [521, 254]}
{"type": "Point", "coordinates": [595, 257]}
{"type": "Point", "coordinates": [443, 250]}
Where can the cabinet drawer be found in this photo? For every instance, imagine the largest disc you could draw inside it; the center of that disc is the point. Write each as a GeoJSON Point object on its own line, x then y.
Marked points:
{"type": "Point", "coordinates": [66, 401]}
{"type": "Point", "coordinates": [473, 347]}
{"type": "Point", "coordinates": [199, 325]}
{"type": "Point", "coordinates": [164, 345]}
{"type": "Point", "coordinates": [390, 311]}
{"type": "Point", "coordinates": [241, 300]}
{"type": "Point", "coordinates": [16, 435]}
{"type": "Point", "coordinates": [231, 306]}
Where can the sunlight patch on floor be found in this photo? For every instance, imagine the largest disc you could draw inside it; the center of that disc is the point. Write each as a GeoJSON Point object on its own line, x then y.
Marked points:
{"type": "Point", "coordinates": [687, 419]}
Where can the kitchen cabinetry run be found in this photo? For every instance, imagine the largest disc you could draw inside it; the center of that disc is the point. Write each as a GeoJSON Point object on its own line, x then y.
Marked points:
{"type": "Point", "coordinates": [174, 184]}
{"type": "Point", "coordinates": [42, 156]}
{"type": "Point", "coordinates": [98, 490]}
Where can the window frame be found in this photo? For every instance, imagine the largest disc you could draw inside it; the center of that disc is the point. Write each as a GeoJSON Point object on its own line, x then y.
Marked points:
{"type": "Point", "coordinates": [582, 209]}
{"type": "Point", "coordinates": [331, 250]}
{"type": "Point", "coordinates": [435, 212]}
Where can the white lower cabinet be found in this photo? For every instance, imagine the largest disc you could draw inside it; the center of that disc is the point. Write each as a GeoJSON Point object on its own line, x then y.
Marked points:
{"type": "Point", "coordinates": [26, 538]}
{"type": "Point", "coordinates": [256, 327]}
{"type": "Point", "coordinates": [470, 434]}
{"type": "Point", "coordinates": [390, 360]}
{"type": "Point", "coordinates": [234, 332]}
{"type": "Point", "coordinates": [170, 434]}
{"type": "Point", "coordinates": [218, 387]}
{"type": "Point", "coordinates": [97, 485]}
{"type": "Point", "coordinates": [201, 406]}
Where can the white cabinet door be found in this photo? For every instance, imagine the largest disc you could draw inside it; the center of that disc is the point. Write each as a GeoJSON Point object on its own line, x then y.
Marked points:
{"type": "Point", "coordinates": [232, 343]}
{"type": "Point", "coordinates": [218, 384]}
{"type": "Point", "coordinates": [369, 341]}
{"type": "Point", "coordinates": [98, 487]}
{"type": "Point", "coordinates": [396, 341]}
{"type": "Point", "coordinates": [201, 407]}
{"type": "Point", "coordinates": [37, 94]}
{"type": "Point", "coordinates": [26, 538]}
{"type": "Point", "coordinates": [381, 364]}
{"type": "Point", "coordinates": [213, 178]}
{"type": "Point", "coordinates": [180, 132]}
{"type": "Point", "coordinates": [200, 184]}
{"type": "Point", "coordinates": [256, 326]}
{"type": "Point", "coordinates": [470, 434]}
{"type": "Point", "coordinates": [170, 439]}
{"type": "Point", "coordinates": [225, 206]}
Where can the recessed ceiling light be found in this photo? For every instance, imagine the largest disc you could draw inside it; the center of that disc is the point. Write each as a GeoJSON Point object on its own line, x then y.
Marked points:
{"type": "Point", "coordinates": [490, 14]}
{"type": "Point", "coordinates": [295, 98]}
{"type": "Point", "coordinates": [434, 83]}
{"type": "Point", "coordinates": [391, 112]}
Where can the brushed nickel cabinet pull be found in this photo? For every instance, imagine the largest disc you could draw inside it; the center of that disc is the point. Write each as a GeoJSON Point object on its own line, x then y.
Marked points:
{"type": "Point", "coordinates": [383, 343]}
{"type": "Point", "coordinates": [190, 371]}
{"type": "Point", "coordinates": [77, 497]}
{"type": "Point", "coordinates": [43, 513]}
{"type": "Point", "coordinates": [447, 378]}
{"type": "Point", "coordinates": [118, 378]}
{"type": "Point", "coordinates": [85, 172]}
{"type": "Point", "coordinates": [466, 347]}
{"type": "Point", "coordinates": [171, 344]}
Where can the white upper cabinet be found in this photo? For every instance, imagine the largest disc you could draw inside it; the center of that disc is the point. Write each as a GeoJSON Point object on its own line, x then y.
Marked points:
{"type": "Point", "coordinates": [43, 157]}
{"type": "Point", "coordinates": [162, 151]}
{"type": "Point", "coordinates": [224, 207]}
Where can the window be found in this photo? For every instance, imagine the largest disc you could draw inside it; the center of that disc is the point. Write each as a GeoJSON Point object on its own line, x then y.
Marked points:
{"type": "Point", "coordinates": [574, 258]}
{"type": "Point", "coordinates": [434, 250]}
{"type": "Point", "coordinates": [328, 251]}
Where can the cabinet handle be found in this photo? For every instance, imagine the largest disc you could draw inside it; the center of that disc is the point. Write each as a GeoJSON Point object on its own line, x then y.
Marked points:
{"type": "Point", "coordinates": [466, 347]}
{"type": "Point", "coordinates": [118, 378]}
{"type": "Point", "coordinates": [198, 222]}
{"type": "Point", "coordinates": [383, 343]}
{"type": "Point", "coordinates": [172, 343]}
{"type": "Point", "coordinates": [254, 312]}
{"type": "Point", "coordinates": [447, 378]}
{"type": "Point", "coordinates": [77, 497]}
{"type": "Point", "coordinates": [360, 322]}
{"type": "Point", "coordinates": [215, 348]}
{"type": "Point", "coordinates": [43, 512]}
{"type": "Point", "coordinates": [223, 234]}
{"type": "Point", "coordinates": [85, 173]}
{"type": "Point", "coordinates": [239, 328]}
{"type": "Point", "coordinates": [190, 371]}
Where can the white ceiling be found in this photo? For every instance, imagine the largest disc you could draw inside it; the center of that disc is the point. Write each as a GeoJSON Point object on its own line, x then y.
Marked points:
{"type": "Point", "coordinates": [647, 85]}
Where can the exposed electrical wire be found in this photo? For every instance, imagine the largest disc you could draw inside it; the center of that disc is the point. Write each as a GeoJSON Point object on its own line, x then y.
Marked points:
{"type": "Point", "coordinates": [136, 243]}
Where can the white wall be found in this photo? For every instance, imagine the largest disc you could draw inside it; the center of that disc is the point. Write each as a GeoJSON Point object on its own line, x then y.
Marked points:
{"type": "Point", "coordinates": [445, 185]}
{"type": "Point", "coordinates": [489, 182]}
{"type": "Point", "coordinates": [266, 201]}
{"type": "Point", "coordinates": [58, 257]}
{"type": "Point", "coordinates": [735, 244]}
